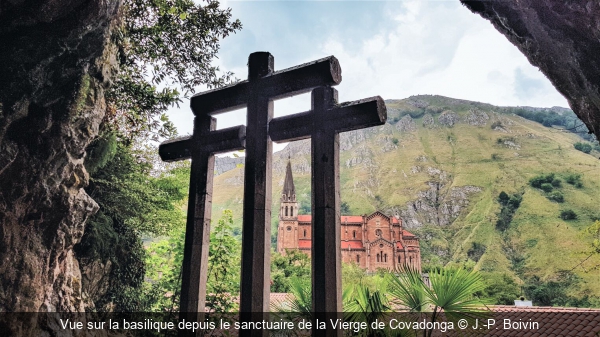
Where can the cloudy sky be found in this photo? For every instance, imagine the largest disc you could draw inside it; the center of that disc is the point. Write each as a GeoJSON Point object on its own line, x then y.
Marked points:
{"type": "Point", "coordinates": [393, 49]}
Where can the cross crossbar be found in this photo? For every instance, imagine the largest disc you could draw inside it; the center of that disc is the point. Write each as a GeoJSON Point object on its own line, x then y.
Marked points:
{"type": "Point", "coordinates": [218, 141]}
{"type": "Point", "coordinates": [343, 117]}
{"type": "Point", "coordinates": [277, 85]}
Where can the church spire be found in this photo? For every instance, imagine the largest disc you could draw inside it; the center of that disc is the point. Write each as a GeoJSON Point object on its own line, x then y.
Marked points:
{"type": "Point", "coordinates": [289, 191]}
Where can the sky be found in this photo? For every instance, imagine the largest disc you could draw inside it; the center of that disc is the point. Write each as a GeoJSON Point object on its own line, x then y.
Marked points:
{"type": "Point", "coordinates": [392, 49]}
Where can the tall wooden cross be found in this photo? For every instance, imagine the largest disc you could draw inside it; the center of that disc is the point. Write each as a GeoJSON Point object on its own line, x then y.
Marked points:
{"type": "Point", "coordinates": [323, 124]}
{"type": "Point", "coordinates": [201, 147]}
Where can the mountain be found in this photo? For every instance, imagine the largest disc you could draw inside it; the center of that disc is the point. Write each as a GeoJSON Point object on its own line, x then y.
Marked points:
{"type": "Point", "coordinates": [441, 164]}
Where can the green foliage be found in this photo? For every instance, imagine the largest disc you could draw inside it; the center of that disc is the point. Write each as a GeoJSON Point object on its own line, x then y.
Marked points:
{"type": "Point", "coordinates": [345, 208]}
{"type": "Point", "coordinates": [476, 251]}
{"type": "Point", "coordinates": [164, 261]}
{"type": "Point", "coordinates": [537, 181]}
{"type": "Point", "coordinates": [508, 207]}
{"type": "Point", "coordinates": [574, 179]}
{"type": "Point", "coordinates": [294, 264]}
{"type": "Point", "coordinates": [546, 187]}
{"type": "Point", "coordinates": [395, 141]}
{"type": "Point", "coordinates": [452, 291]}
{"type": "Point", "coordinates": [224, 266]}
{"type": "Point", "coordinates": [556, 183]}
{"type": "Point", "coordinates": [497, 124]}
{"type": "Point", "coordinates": [501, 290]}
{"type": "Point", "coordinates": [553, 292]}
{"type": "Point", "coordinates": [568, 214]}
{"type": "Point", "coordinates": [131, 203]}
{"type": "Point", "coordinates": [166, 44]}
{"type": "Point", "coordinates": [583, 147]}
{"type": "Point", "coordinates": [100, 152]}
{"type": "Point", "coordinates": [363, 305]}
{"type": "Point", "coordinates": [299, 304]}
{"type": "Point", "coordinates": [304, 208]}
{"type": "Point", "coordinates": [556, 196]}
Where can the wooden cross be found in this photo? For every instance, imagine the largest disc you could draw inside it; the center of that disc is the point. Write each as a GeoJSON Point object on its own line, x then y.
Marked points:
{"type": "Point", "coordinates": [257, 94]}
{"type": "Point", "coordinates": [201, 147]}
{"type": "Point", "coordinates": [323, 124]}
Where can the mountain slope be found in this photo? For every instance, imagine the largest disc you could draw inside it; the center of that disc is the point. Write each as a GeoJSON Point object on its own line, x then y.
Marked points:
{"type": "Point", "coordinates": [440, 164]}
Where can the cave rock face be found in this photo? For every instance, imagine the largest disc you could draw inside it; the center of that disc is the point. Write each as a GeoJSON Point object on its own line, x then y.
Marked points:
{"type": "Point", "coordinates": [562, 39]}
{"type": "Point", "coordinates": [54, 67]}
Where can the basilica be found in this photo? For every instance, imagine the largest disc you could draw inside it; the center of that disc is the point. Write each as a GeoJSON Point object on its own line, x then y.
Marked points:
{"type": "Point", "coordinates": [372, 241]}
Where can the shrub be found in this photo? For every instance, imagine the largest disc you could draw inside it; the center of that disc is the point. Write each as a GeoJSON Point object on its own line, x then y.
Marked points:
{"type": "Point", "coordinates": [568, 214]}
{"type": "Point", "coordinates": [495, 156]}
{"type": "Point", "coordinates": [537, 181]}
{"type": "Point", "coordinates": [546, 187]}
{"type": "Point", "coordinates": [556, 182]}
{"type": "Point", "coordinates": [497, 124]}
{"type": "Point", "coordinates": [574, 179]}
{"type": "Point", "coordinates": [476, 251]}
{"type": "Point", "coordinates": [583, 147]}
{"type": "Point", "coordinates": [556, 196]}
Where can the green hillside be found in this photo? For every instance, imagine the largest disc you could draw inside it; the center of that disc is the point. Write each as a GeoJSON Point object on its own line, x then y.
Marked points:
{"type": "Point", "coordinates": [440, 164]}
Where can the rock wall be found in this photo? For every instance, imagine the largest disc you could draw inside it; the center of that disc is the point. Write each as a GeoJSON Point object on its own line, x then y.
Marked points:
{"type": "Point", "coordinates": [562, 38]}
{"type": "Point", "coordinates": [54, 67]}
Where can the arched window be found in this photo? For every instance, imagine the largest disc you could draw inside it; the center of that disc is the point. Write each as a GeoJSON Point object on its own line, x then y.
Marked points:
{"type": "Point", "coordinates": [305, 233]}
{"type": "Point", "coordinates": [385, 258]}
{"type": "Point", "coordinates": [399, 259]}
{"type": "Point", "coordinates": [378, 257]}
{"type": "Point", "coordinates": [381, 253]}
{"type": "Point", "coordinates": [357, 258]}
{"type": "Point", "coordinates": [354, 234]}
{"type": "Point", "coordinates": [286, 211]}
{"type": "Point", "coordinates": [378, 232]}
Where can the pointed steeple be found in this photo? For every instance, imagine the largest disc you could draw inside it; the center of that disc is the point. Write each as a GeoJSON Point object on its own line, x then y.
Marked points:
{"type": "Point", "coordinates": [289, 191]}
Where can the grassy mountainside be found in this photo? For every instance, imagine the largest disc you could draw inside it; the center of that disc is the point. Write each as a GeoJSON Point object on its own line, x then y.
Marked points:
{"type": "Point", "coordinates": [440, 164]}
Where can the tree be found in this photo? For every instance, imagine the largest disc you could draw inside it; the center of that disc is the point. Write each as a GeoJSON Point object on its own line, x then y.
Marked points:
{"type": "Point", "coordinates": [131, 203]}
{"type": "Point", "coordinates": [164, 262]}
{"type": "Point", "coordinates": [568, 214]}
{"type": "Point", "coordinates": [163, 45]}
{"type": "Point", "coordinates": [224, 266]}
{"type": "Point", "coordinates": [294, 264]}
{"type": "Point", "coordinates": [583, 147]}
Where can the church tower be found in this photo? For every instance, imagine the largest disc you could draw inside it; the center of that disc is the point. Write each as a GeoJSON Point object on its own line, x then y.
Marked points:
{"type": "Point", "coordinates": [288, 214]}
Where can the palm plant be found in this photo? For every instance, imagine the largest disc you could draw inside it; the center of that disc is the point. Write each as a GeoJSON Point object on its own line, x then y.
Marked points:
{"type": "Point", "coordinates": [363, 305]}
{"type": "Point", "coordinates": [451, 293]}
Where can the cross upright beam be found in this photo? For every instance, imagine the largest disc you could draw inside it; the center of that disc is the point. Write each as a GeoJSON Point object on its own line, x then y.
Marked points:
{"type": "Point", "coordinates": [323, 124]}
{"type": "Point", "coordinates": [201, 147]}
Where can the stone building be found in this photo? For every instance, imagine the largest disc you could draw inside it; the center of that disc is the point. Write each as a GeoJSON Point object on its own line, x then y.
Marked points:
{"type": "Point", "coordinates": [372, 241]}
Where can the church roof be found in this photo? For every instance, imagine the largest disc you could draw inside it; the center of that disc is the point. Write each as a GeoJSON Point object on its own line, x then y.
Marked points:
{"type": "Point", "coordinates": [343, 219]}
{"type": "Point", "coordinates": [288, 183]}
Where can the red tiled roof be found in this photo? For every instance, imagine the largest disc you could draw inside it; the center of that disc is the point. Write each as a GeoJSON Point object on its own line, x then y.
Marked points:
{"type": "Point", "coordinates": [399, 245]}
{"type": "Point", "coordinates": [304, 244]}
{"type": "Point", "coordinates": [352, 244]}
{"type": "Point", "coordinates": [407, 233]}
{"type": "Point", "coordinates": [345, 244]}
{"type": "Point", "coordinates": [343, 219]}
{"type": "Point", "coordinates": [351, 218]}
{"type": "Point", "coordinates": [304, 218]}
{"type": "Point", "coordinates": [394, 220]}
{"type": "Point", "coordinates": [553, 321]}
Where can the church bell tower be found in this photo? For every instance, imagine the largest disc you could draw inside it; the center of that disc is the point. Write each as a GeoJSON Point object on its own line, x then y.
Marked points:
{"type": "Point", "coordinates": [287, 232]}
